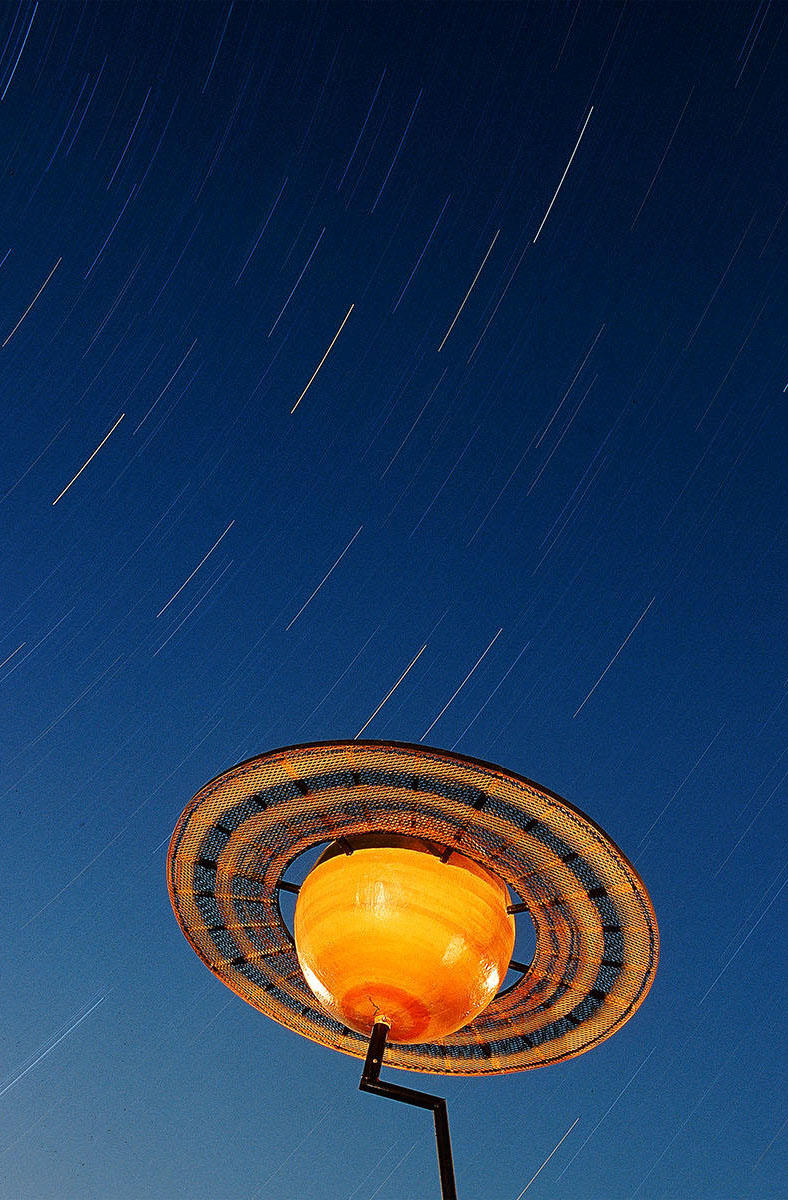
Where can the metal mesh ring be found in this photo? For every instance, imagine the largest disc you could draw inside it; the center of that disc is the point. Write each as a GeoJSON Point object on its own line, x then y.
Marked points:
{"type": "Point", "coordinates": [596, 933]}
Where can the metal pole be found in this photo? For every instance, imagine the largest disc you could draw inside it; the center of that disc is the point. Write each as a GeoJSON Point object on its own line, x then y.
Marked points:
{"type": "Point", "coordinates": [371, 1082]}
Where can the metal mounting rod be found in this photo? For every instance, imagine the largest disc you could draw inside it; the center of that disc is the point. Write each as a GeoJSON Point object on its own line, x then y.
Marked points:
{"type": "Point", "coordinates": [371, 1082]}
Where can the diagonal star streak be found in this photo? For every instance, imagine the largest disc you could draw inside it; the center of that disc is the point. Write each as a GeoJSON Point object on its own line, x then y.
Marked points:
{"type": "Point", "coordinates": [557, 1146]}
{"type": "Point", "coordinates": [48, 1048]}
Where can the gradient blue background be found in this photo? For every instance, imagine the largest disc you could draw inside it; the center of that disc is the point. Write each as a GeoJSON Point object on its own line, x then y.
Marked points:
{"type": "Point", "coordinates": [164, 134]}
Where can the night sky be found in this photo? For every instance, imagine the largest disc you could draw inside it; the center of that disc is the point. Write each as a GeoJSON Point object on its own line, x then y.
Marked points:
{"type": "Point", "coordinates": [377, 327]}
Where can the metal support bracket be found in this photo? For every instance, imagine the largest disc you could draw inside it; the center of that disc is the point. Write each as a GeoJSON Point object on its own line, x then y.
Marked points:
{"type": "Point", "coordinates": [371, 1082]}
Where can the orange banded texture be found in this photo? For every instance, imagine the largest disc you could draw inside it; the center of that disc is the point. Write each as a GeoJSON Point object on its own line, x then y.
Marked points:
{"type": "Point", "coordinates": [596, 934]}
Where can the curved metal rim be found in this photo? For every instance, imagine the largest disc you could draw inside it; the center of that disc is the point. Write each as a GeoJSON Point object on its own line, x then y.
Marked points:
{"type": "Point", "coordinates": [450, 755]}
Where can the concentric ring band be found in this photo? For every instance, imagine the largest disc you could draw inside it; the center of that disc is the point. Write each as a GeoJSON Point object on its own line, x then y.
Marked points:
{"type": "Point", "coordinates": [596, 933]}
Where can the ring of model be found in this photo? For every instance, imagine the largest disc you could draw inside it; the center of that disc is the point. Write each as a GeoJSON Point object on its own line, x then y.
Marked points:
{"type": "Point", "coordinates": [597, 942]}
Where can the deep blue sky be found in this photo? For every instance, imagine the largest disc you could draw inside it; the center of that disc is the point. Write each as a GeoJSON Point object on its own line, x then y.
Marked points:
{"type": "Point", "coordinates": [591, 463]}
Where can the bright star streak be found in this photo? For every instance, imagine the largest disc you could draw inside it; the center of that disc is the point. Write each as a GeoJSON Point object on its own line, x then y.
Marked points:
{"type": "Point", "coordinates": [462, 685]}
{"type": "Point", "coordinates": [196, 569]}
{"type": "Point", "coordinates": [550, 1155]}
{"type": "Point", "coordinates": [90, 460]}
{"type": "Point", "coordinates": [48, 1050]}
{"type": "Point", "coordinates": [393, 1169]}
{"type": "Point", "coordinates": [323, 359]}
{"type": "Point", "coordinates": [615, 656]}
{"type": "Point", "coordinates": [12, 654]}
{"type": "Point", "coordinates": [609, 1109]}
{"type": "Point", "coordinates": [566, 172]}
{"type": "Point", "coordinates": [372, 1172]}
{"type": "Point", "coordinates": [467, 294]}
{"type": "Point", "coordinates": [19, 55]}
{"type": "Point", "coordinates": [32, 302]}
{"type": "Point", "coordinates": [325, 577]}
{"type": "Point", "coordinates": [391, 693]}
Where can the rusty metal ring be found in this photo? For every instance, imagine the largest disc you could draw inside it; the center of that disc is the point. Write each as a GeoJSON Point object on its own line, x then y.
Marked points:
{"type": "Point", "coordinates": [597, 942]}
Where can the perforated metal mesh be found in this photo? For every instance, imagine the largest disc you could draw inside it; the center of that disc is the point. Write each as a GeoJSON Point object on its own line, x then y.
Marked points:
{"type": "Point", "coordinates": [596, 933]}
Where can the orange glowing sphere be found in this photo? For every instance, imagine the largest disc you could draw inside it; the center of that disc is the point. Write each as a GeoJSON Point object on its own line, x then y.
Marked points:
{"type": "Point", "coordinates": [390, 932]}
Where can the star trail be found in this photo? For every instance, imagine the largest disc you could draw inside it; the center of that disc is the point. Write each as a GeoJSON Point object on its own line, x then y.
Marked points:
{"type": "Point", "coordinates": [501, 288]}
